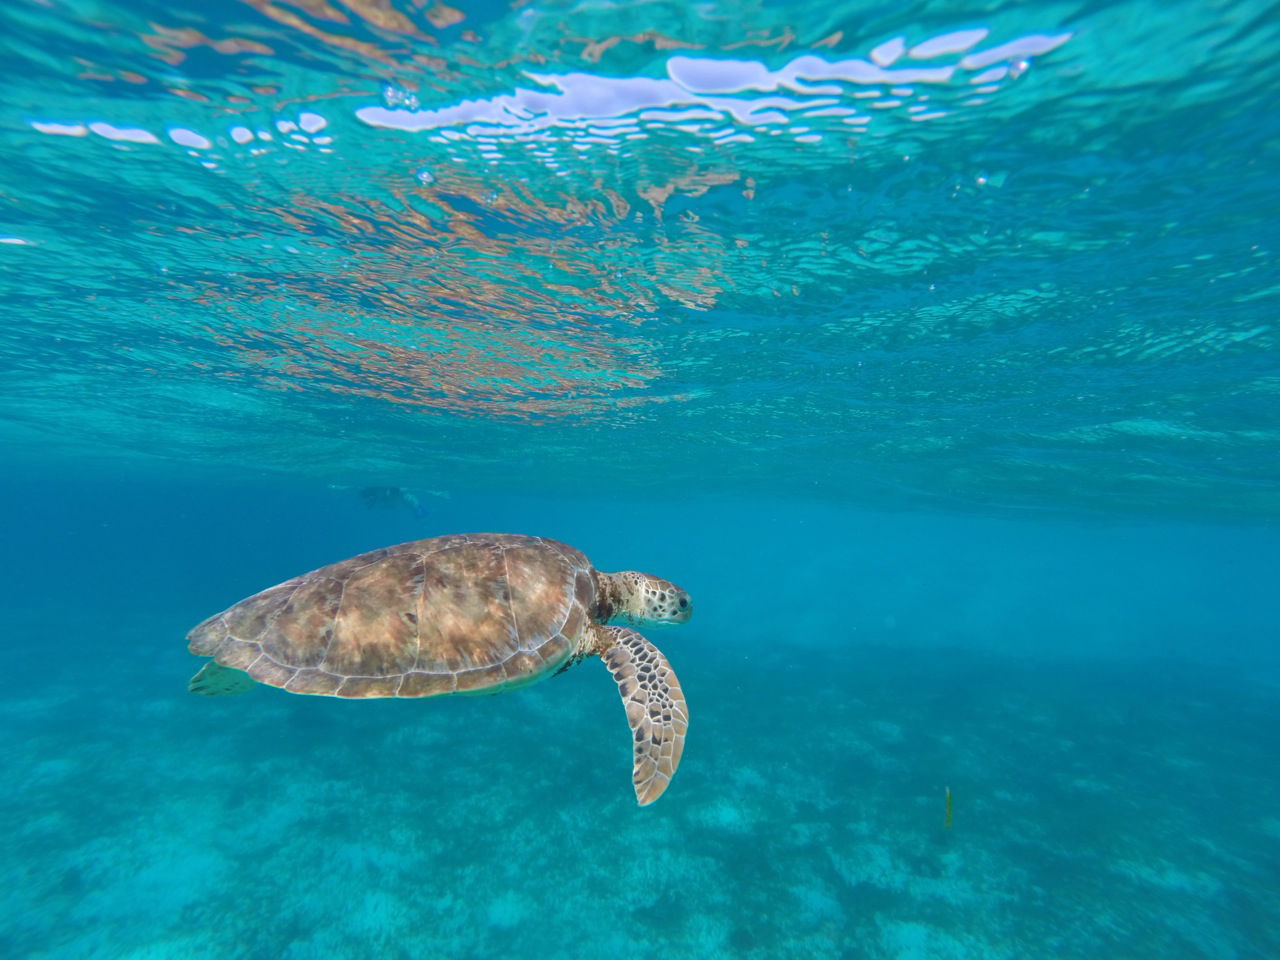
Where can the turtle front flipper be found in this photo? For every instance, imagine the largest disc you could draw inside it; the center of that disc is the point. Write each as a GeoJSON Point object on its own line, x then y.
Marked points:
{"type": "Point", "coordinates": [215, 680]}
{"type": "Point", "coordinates": [655, 708]}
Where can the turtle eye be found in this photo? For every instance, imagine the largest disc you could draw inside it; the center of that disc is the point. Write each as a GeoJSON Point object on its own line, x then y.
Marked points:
{"type": "Point", "coordinates": [684, 602]}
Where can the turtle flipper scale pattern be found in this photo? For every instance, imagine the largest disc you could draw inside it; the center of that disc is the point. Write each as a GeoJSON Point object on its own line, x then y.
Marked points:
{"type": "Point", "coordinates": [655, 709]}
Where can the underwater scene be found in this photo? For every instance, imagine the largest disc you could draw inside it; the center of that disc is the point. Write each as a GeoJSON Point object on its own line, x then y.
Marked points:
{"type": "Point", "coordinates": [836, 447]}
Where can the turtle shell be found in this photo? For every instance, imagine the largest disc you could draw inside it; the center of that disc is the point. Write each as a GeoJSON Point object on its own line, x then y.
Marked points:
{"type": "Point", "coordinates": [445, 615]}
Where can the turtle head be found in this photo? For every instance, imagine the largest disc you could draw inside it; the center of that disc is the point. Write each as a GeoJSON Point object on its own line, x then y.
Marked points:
{"type": "Point", "coordinates": [640, 598]}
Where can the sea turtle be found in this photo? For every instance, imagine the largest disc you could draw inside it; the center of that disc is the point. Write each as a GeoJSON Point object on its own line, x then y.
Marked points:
{"type": "Point", "coordinates": [468, 613]}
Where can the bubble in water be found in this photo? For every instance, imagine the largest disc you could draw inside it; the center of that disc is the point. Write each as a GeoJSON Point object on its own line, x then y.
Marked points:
{"type": "Point", "coordinates": [394, 97]}
{"type": "Point", "coordinates": [425, 177]}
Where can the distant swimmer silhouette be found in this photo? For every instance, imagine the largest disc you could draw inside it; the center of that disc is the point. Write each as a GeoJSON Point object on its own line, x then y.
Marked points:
{"type": "Point", "coordinates": [389, 498]}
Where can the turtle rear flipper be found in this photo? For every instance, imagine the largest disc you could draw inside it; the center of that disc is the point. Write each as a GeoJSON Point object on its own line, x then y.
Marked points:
{"type": "Point", "coordinates": [215, 680]}
{"type": "Point", "coordinates": [655, 708]}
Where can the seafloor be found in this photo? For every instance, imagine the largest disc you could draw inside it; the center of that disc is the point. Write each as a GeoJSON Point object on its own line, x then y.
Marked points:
{"type": "Point", "coordinates": [1098, 699]}
{"type": "Point", "coordinates": [1101, 809]}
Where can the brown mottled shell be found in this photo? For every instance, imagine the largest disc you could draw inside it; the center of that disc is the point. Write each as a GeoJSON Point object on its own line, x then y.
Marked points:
{"type": "Point", "coordinates": [446, 615]}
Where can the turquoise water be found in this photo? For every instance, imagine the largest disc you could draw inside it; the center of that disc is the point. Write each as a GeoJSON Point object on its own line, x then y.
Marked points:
{"type": "Point", "coordinates": [931, 348]}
